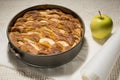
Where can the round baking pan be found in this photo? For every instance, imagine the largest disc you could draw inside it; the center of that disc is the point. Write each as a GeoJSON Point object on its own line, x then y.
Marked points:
{"type": "Point", "coordinates": [46, 60]}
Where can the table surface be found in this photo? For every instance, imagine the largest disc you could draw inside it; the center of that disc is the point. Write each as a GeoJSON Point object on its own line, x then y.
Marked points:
{"type": "Point", "coordinates": [85, 8]}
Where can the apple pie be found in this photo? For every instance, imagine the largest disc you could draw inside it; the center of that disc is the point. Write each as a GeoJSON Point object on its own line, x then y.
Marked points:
{"type": "Point", "coordinates": [46, 32]}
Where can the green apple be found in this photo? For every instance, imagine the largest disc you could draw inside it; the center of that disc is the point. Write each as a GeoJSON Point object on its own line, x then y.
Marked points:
{"type": "Point", "coordinates": [101, 26]}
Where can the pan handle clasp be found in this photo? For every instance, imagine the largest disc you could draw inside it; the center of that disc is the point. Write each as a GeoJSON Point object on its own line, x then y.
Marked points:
{"type": "Point", "coordinates": [17, 55]}
{"type": "Point", "coordinates": [14, 52]}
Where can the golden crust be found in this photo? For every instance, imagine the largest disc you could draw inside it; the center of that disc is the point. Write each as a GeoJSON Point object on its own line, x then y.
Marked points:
{"type": "Point", "coordinates": [46, 32]}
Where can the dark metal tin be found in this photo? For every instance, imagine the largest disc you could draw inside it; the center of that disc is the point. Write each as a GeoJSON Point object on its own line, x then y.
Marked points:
{"type": "Point", "coordinates": [46, 60]}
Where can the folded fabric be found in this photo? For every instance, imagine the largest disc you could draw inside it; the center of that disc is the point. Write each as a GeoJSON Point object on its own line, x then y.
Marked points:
{"type": "Point", "coordinates": [115, 74]}
{"type": "Point", "coordinates": [7, 73]}
{"type": "Point", "coordinates": [100, 66]}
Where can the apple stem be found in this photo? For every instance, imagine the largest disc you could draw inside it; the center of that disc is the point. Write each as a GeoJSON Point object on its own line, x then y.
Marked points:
{"type": "Point", "coordinates": [100, 14]}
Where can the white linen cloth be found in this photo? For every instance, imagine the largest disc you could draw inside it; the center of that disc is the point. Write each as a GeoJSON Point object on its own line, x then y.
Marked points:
{"type": "Point", "coordinates": [100, 66]}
